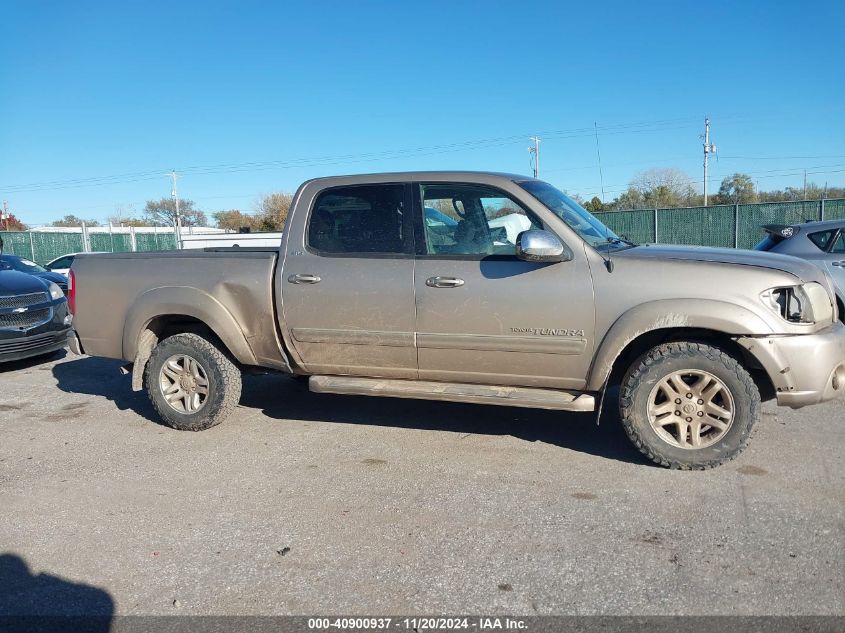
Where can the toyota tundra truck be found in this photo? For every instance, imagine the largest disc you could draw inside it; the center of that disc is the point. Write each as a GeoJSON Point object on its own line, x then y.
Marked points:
{"type": "Point", "coordinates": [472, 287]}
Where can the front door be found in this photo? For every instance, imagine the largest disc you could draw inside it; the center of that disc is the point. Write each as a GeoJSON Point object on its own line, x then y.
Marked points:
{"type": "Point", "coordinates": [347, 283]}
{"type": "Point", "coordinates": [484, 316]}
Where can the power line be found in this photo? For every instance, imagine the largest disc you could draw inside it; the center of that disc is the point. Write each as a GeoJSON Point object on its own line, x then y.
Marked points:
{"type": "Point", "coordinates": [627, 128]}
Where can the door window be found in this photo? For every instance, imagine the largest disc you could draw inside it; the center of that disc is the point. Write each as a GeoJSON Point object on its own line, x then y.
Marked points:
{"type": "Point", "coordinates": [471, 220]}
{"type": "Point", "coordinates": [62, 262]}
{"type": "Point", "coordinates": [366, 219]}
{"type": "Point", "coordinates": [839, 246]}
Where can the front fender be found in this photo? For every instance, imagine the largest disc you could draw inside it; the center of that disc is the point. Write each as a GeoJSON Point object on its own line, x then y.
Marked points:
{"type": "Point", "coordinates": [192, 302]}
{"type": "Point", "coordinates": [708, 314]}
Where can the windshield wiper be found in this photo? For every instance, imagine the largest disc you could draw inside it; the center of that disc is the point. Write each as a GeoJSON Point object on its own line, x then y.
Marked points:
{"type": "Point", "coordinates": [621, 240]}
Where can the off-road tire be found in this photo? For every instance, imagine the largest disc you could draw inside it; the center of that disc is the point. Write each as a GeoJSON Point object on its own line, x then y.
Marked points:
{"type": "Point", "coordinates": [662, 361]}
{"type": "Point", "coordinates": [224, 382]}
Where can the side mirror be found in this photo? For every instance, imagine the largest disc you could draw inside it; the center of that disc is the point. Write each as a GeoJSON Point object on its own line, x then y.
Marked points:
{"type": "Point", "coordinates": [540, 246]}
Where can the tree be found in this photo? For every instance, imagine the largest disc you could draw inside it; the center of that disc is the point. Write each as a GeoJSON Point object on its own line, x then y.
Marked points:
{"type": "Point", "coordinates": [664, 187]}
{"type": "Point", "coordinates": [631, 198]}
{"type": "Point", "coordinates": [594, 205]}
{"type": "Point", "coordinates": [163, 213]}
{"type": "Point", "coordinates": [235, 220]}
{"type": "Point", "coordinates": [72, 220]}
{"type": "Point", "coordinates": [737, 189]}
{"type": "Point", "coordinates": [272, 210]}
{"type": "Point", "coordinates": [11, 223]}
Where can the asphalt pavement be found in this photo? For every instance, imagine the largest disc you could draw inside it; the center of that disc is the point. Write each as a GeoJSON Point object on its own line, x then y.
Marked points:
{"type": "Point", "coordinates": [305, 503]}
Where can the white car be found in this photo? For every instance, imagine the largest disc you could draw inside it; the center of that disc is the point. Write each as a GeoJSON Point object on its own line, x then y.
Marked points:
{"type": "Point", "coordinates": [62, 264]}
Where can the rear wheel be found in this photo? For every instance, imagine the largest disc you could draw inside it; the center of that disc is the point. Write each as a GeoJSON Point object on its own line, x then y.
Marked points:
{"type": "Point", "coordinates": [191, 383]}
{"type": "Point", "coordinates": [689, 405]}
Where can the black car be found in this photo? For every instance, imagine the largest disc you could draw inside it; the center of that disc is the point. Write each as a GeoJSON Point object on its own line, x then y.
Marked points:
{"type": "Point", "coordinates": [23, 265]}
{"type": "Point", "coordinates": [34, 318]}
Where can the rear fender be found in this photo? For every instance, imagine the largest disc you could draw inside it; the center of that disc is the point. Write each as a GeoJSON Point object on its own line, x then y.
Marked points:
{"type": "Point", "coordinates": [192, 302]}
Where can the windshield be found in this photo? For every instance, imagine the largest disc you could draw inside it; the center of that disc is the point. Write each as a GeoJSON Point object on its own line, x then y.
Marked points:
{"type": "Point", "coordinates": [577, 217]}
{"type": "Point", "coordinates": [20, 264]}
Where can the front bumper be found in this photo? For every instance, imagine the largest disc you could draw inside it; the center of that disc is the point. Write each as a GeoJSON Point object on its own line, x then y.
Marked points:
{"type": "Point", "coordinates": [29, 346]}
{"type": "Point", "coordinates": [804, 369]}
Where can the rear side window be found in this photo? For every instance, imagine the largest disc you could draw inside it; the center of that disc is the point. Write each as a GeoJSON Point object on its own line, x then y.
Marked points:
{"type": "Point", "coordinates": [822, 239]}
{"type": "Point", "coordinates": [360, 219]}
{"type": "Point", "coordinates": [839, 246]}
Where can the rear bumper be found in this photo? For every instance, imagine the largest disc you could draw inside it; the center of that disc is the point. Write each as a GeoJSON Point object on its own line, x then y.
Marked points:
{"type": "Point", "coordinates": [804, 369]}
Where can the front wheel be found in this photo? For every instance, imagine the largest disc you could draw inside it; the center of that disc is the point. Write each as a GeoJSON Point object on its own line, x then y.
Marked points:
{"type": "Point", "coordinates": [688, 405]}
{"type": "Point", "coordinates": [191, 383]}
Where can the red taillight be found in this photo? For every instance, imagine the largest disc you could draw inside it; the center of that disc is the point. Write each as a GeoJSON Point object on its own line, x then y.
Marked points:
{"type": "Point", "coordinates": [71, 292]}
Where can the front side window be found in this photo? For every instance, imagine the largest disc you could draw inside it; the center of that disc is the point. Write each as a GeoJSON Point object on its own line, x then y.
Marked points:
{"type": "Point", "coordinates": [359, 219]}
{"type": "Point", "coordinates": [472, 220]}
{"type": "Point", "coordinates": [584, 223]}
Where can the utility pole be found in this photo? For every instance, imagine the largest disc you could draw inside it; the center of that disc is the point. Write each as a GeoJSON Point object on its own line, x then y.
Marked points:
{"type": "Point", "coordinates": [709, 148]}
{"type": "Point", "coordinates": [175, 196]}
{"type": "Point", "coordinates": [5, 214]}
{"type": "Point", "coordinates": [536, 152]}
{"type": "Point", "coordinates": [598, 153]}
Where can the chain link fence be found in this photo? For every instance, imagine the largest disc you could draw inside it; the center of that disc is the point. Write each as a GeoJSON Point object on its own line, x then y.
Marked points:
{"type": "Point", "coordinates": [728, 225]}
{"type": "Point", "coordinates": [45, 246]}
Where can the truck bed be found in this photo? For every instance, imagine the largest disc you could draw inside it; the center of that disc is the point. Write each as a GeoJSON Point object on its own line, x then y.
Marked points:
{"type": "Point", "coordinates": [118, 294]}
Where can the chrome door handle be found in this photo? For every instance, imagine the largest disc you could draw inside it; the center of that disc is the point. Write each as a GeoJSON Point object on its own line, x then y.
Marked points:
{"type": "Point", "coordinates": [840, 264]}
{"type": "Point", "coordinates": [304, 279]}
{"type": "Point", "coordinates": [444, 282]}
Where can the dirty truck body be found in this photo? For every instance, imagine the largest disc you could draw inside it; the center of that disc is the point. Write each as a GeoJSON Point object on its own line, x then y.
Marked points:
{"type": "Point", "coordinates": [473, 287]}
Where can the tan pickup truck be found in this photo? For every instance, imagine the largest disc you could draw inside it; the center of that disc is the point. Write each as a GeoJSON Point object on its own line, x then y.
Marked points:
{"type": "Point", "coordinates": [473, 287]}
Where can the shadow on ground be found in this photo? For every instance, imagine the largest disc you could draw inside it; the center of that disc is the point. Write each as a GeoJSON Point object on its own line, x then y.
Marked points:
{"type": "Point", "coordinates": [285, 398]}
{"type": "Point", "coordinates": [42, 602]}
{"type": "Point", "coordinates": [101, 377]}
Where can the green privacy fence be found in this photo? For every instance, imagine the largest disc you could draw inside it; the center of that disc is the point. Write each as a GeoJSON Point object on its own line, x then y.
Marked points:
{"type": "Point", "coordinates": [44, 246]}
{"type": "Point", "coordinates": [729, 225]}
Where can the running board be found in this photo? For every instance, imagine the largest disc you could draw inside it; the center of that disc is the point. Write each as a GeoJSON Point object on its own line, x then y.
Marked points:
{"type": "Point", "coordinates": [455, 392]}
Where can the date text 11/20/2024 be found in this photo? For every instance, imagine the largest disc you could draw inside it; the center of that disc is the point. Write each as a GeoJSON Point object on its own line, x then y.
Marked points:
{"type": "Point", "coordinates": [419, 623]}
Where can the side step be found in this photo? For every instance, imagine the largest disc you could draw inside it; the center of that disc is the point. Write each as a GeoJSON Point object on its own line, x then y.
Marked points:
{"type": "Point", "coordinates": [455, 392]}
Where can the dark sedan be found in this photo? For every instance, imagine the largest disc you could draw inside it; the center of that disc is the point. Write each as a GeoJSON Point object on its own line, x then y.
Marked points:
{"type": "Point", "coordinates": [34, 318]}
{"type": "Point", "coordinates": [23, 265]}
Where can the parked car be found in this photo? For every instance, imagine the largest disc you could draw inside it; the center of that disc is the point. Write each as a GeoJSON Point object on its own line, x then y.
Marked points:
{"type": "Point", "coordinates": [822, 243]}
{"type": "Point", "coordinates": [34, 319]}
{"type": "Point", "coordinates": [62, 264]}
{"type": "Point", "coordinates": [23, 265]}
{"type": "Point", "coordinates": [370, 293]}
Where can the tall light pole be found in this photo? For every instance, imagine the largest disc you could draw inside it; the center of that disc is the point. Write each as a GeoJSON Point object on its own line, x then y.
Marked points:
{"type": "Point", "coordinates": [174, 194]}
{"type": "Point", "coordinates": [709, 148]}
{"type": "Point", "coordinates": [535, 150]}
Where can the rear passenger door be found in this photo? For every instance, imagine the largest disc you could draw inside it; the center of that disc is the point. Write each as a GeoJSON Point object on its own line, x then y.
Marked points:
{"type": "Point", "coordinates": [348, 282]}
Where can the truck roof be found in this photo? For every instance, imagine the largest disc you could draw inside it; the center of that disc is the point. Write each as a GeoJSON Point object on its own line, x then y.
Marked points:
{"type": "Point", "coordinates": [408, 176]}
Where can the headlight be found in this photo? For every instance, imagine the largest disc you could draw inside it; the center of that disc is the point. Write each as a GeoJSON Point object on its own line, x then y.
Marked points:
{"type": "Point", "coordinates": [808, 303]}
{"type": "Point", "coordinates": [55, 291]}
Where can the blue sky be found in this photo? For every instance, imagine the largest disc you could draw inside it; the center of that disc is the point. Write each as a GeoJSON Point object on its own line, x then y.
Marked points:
{"type": "Point", "coordinates": [249, 97]}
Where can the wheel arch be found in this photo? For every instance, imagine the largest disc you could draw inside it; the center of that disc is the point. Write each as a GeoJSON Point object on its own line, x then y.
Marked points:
{"type": "Point", "coordinates": [162, 312]}
{"type": "Point", "coordinates": [651, 324]}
